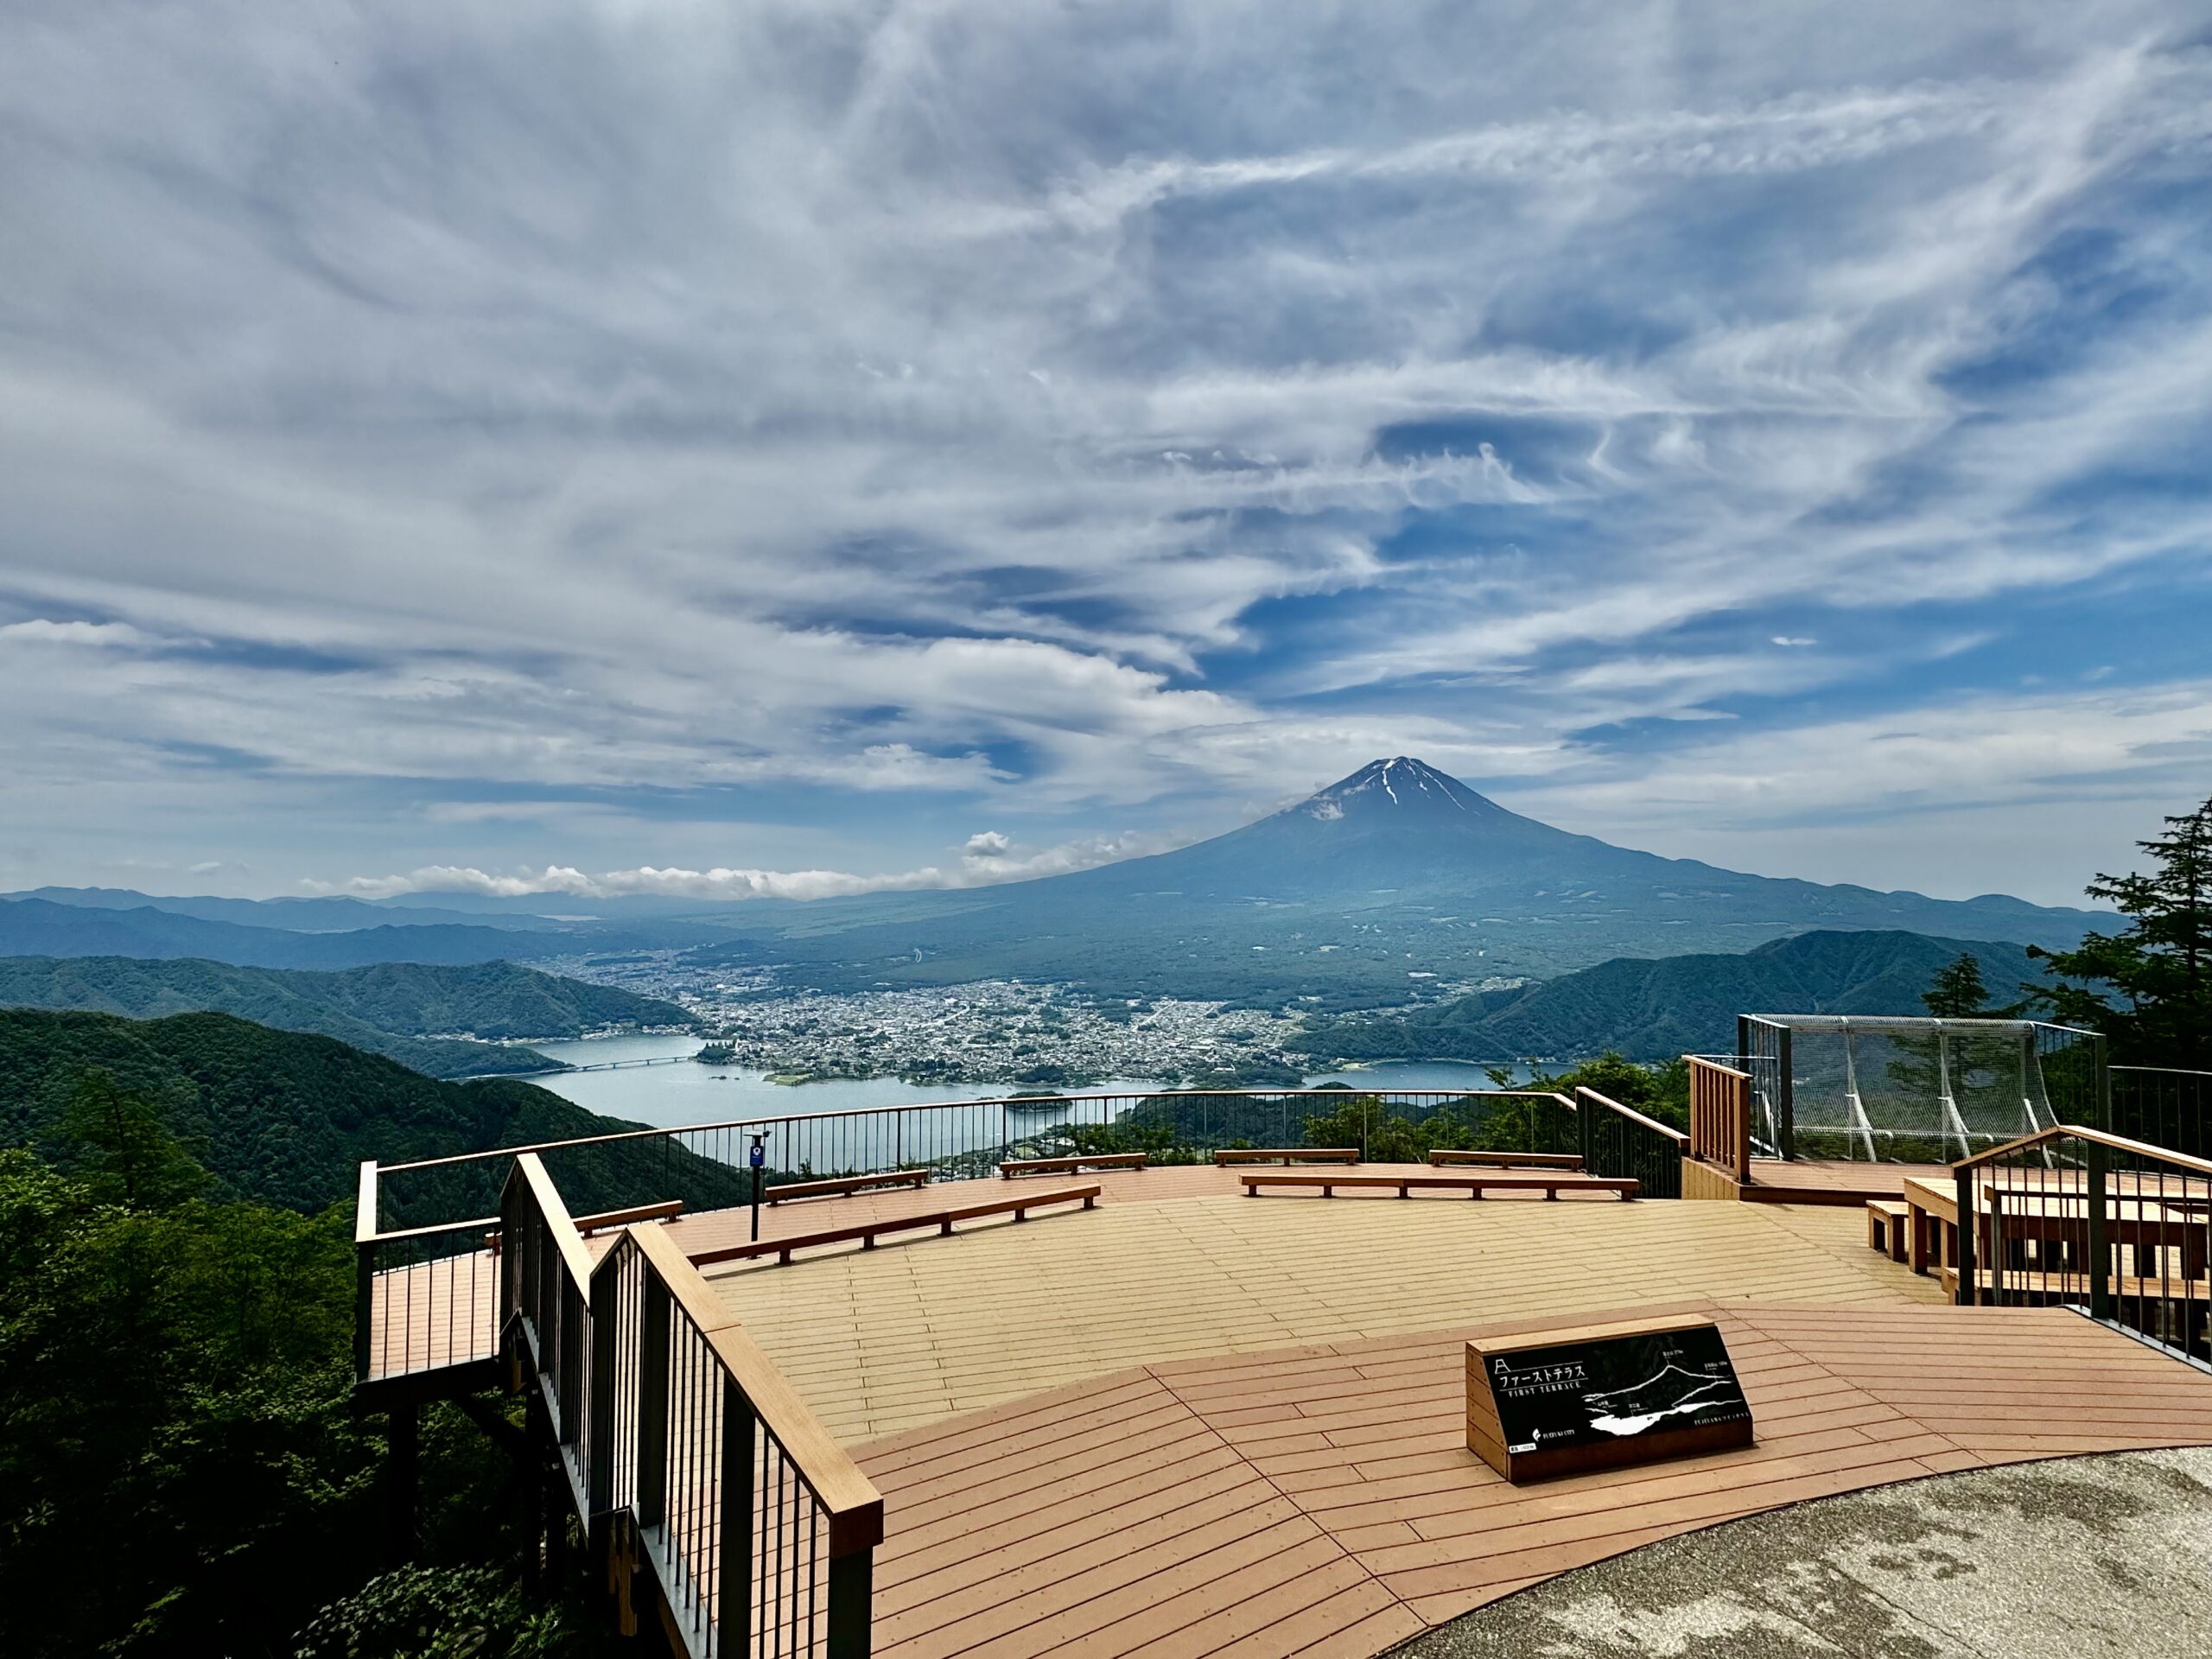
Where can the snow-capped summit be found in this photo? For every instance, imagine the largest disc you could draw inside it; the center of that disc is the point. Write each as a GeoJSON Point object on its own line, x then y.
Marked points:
{"type": "Point", "coordinates": [1399, 782]}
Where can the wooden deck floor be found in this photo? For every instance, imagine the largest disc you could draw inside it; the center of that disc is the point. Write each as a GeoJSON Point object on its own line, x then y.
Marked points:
{"type": "Point", "coordinates": [900, 1336]}
{"type": "Point", "coordinates": [1808, 1181]}
{"type": "Point", "coordinates": [433, 1314]}
{"type": "Point", "coordinates": [1322, 1501]}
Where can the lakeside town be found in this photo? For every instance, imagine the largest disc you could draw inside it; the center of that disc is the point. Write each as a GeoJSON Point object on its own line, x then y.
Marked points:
{"type": "Point", "coordinates": [995, 1031]}
{"type": "Point", "coordinates": [989, 1032]}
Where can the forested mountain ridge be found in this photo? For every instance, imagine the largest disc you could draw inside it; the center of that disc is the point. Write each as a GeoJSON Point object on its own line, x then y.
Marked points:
{"type": "Point", "coordinates": [1655, 1009]}
{"type": "Point", "coordinates": [390, 1008]}
{"type": "Point", "coordinates": [283, 1118]}
{"type": "Point", "coordinates": [34, 927]}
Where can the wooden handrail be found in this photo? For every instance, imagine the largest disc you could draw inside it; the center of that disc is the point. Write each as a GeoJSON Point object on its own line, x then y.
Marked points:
{"type": "Point", "coordinates": [570, 1242]}
{"type": "Point", "coordinates": [435, 1229]}
{"type": "Point", "coordinates": [1675, 1135]}
{"type": "Point", "coordinates": [850, 1499]}
{"type": "Point", "coordinates": [2117, 1142]}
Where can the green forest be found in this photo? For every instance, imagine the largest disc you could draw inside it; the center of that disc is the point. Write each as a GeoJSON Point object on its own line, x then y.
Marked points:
{"type": "Point", "coordinates": [180, 1467]}
{"type": "Point", "coordinates": [396, 1010]}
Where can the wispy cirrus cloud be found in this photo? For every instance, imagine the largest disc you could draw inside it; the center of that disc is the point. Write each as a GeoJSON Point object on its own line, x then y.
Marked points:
{"type": "Point", "coordinates": [846, 422]}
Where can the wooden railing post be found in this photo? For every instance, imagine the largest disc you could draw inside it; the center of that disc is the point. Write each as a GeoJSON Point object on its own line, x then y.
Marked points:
{"type": "Point", "coordinates": [734, 1564]}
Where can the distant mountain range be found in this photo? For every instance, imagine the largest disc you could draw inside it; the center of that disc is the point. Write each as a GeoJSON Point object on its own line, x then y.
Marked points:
{"type": "Point", "coordinates": [392, 1009]}
{"type": "Point", "coordinates": [1379, 886]}
{"type": "Point", "coordinates": [331, 915]}
{"type": "Point", "coordinates": [1655, 1010]}
{"type": "Point", "coordinates": [1390, 884]}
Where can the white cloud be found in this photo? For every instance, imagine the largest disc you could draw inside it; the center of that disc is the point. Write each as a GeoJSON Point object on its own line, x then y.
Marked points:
{"type": "Point", "coordinates": [987, 858]}
{"type": "Point", "coordinates": [1049, 413]}
{"type": "Point", "coordinates": [40, 631]}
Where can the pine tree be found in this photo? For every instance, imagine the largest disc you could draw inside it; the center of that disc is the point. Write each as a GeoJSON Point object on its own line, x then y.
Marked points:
{"type": "Point", "coordinates": [2148, 987]}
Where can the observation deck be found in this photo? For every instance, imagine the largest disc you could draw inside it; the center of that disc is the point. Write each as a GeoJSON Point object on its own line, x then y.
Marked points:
{"type": "Point", "coordinates": [1116, 1411]}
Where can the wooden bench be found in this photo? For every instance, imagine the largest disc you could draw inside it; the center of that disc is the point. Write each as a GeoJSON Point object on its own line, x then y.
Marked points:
{"type": "Point", "coordinates": [1444, 1158]}
{"type": "Point", "coordinates": [1887, 1220]}
{"type": "Point", "coordinates": [843, 1185]}
{"type": "Point", "coordinates": [1474, 1186]}
{"type": "Point", "coordinates": [1074, 1161]}
{"type": "Point", "coordinates": [869, 1231]}
{"type": "Point", "coordinates": [1287, 1155]}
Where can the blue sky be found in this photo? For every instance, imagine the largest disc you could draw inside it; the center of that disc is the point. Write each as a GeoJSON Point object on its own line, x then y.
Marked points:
{"type": "Point", "coordinates": [656, 446]}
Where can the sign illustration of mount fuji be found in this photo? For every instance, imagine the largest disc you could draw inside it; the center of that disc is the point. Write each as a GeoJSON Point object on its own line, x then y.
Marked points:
{"type": "Point", "coordinates": [1382, 883]}
{"type": "Point", "coordinates": [1558, 1403]}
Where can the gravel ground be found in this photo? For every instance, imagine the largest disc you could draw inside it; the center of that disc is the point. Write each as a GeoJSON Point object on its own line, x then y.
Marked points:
{"type": "Point", "coordinates": [2076, 1558]}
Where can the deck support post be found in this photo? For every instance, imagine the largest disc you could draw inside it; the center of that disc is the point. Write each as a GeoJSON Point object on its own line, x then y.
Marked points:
{"type": "Point", "coordinates": [403, 1463]}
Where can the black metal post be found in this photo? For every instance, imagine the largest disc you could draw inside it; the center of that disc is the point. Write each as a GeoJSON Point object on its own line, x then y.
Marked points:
{"type": "Point", "coordinates": [364, 1285]}
{"type": "Point", "coordinates": [852, 1596]}
{"type": "Point", "coordinates": [733, 1571]}
{"type": "Point", "coordinates": [2099, 1238]}
{"type": "Point", "coordinates": [1969, 1288]}
{"type": "Point", "coordinates": [599, 1447]}
{"type": "Point", "coordinates": [1785, 1083]}
{"type": "Point", "coordinates": [652, 1402]}
{"type": "Point", "coordinates": [758, 1157]}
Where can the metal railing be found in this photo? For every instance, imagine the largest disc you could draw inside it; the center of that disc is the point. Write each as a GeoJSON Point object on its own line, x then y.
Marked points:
{"type": "Point", "coordinates": [1617, 1140]}
{"type": "Point", "coordinates": [426, 1284]}
{"type": "Point", "coordinates": [2163, 1106]}
{"type": "Point", "coordinates": [2080, 1218]}
{"type": "Point", "coordinates": [705, 1164]}
{"type": "Point", "coordinates": [686, 1452]}
{"type": "Point", "coordinates": [425, 1299]}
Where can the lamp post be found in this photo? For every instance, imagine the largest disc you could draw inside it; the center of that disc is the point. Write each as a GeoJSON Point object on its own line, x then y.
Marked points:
{"type": "Point", "coordinates": [759, 1158]}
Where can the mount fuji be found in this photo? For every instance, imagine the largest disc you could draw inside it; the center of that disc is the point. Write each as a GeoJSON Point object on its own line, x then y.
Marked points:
{"type": "Point", "coordinates": [1395, 880]}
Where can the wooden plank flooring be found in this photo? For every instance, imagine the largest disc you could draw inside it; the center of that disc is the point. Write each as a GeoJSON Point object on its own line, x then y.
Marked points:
{"type": "Point", "coordinates": [1826, 1182]}
{"type": "Point", "coordinates": [1321, 1500]}
{"type": "Point", "coordinates": [901, 1336]}
{"type": "Point", "coordinates": [433, 1314]}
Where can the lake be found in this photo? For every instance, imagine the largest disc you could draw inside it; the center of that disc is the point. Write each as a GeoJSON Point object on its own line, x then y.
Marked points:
{"type": "Point", "coordinates": [668, 1096]}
